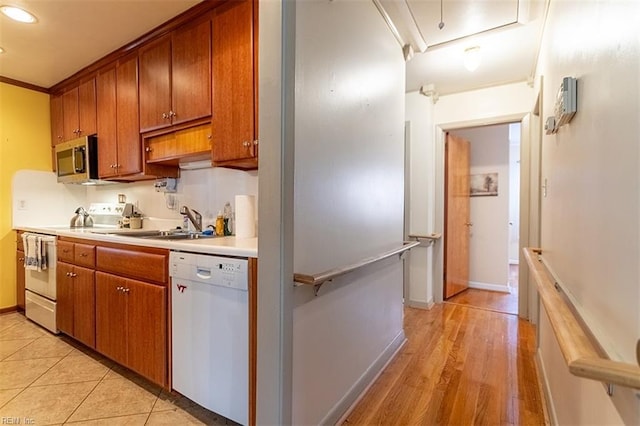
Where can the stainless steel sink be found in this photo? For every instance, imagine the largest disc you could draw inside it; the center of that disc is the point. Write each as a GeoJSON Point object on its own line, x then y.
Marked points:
{"type": "Point", "coordinates": [173, 234]}
{"type": "Point", "coordinates": [178, 236]}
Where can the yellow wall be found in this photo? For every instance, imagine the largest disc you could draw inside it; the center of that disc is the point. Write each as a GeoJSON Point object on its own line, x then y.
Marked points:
{"type": "Point", "coordinates": [25, 143]}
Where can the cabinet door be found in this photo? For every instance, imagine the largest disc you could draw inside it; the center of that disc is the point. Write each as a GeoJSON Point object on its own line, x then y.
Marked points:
{"type": "Point", "coordinates": [87, 108]}
{"type": "Point", "coordinates": [64, 292]}
{"type": "Point", "coordinates": [20, 276]}
{"type": "Point", "coordinates": [147, 350]}
{"type": "Point", "coordinates": [57, 121]}
{"type": "Point", "coordinates": [155, 85]}
{"type": "Point", "coordinates": [128, 133]}
{"type": "Point", "coordinates": [107, 123]}
{"type": "Point", "coordinates": [191, 72]}
{"type": "Point", "coordinates": [233, 82]}
{"type": "Point", "coordinates": [111, 317]}
{"type": "Point", "coordinates": [84, 306]}
{"type": "Point", "coordinates": [70, 114]}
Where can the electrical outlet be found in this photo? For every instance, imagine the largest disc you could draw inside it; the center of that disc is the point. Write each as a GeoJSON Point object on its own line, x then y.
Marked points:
{"type": "Point", "coordinates": [22, 204]}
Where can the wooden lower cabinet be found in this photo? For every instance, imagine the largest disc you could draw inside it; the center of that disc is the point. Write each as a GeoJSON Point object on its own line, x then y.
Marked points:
{"type": "Point", "coordinates": [76, 294]}
{"type": "Point", "coordinates": [20, 278]}
{"type": "Point", "coordinates": [131, 318]}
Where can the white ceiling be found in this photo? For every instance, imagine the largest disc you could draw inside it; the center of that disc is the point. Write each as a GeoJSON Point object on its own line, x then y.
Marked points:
{"type": "Point", "coordinates": [72, 34]}
{"type": "Point", "coordinates": [507, 32]}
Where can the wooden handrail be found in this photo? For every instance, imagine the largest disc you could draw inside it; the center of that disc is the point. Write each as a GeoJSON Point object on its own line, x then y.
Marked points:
{"type": "Point", "coordinates": [319, 279]}
{"type": "Point", "coordinates": [580, 355]}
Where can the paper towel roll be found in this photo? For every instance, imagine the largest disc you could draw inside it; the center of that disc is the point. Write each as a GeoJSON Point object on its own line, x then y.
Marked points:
{"type": "Point", "coordinates": [245, 216]}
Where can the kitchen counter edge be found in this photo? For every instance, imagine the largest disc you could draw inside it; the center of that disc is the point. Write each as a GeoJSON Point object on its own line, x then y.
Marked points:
{"type": "Point", "coordinates": [222, 246]}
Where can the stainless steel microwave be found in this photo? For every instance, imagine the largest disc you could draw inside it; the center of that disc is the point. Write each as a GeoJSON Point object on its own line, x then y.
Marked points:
{"type": "Point", "coordinates": [77, 160]}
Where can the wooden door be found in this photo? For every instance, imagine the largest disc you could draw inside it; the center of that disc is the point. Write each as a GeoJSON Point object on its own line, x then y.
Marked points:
{"type": "Point", "coordinates": [87, 108]}
{"type": "Point", "coordinates": [233, 82]}
{"type": "Point", "coordinates": [457, 222]}
{"type": "Point", "coordinates": [155, 85]}
{"type": "Point", "coordinates": [147, 346]}
{"type": "Point", "coordinates": [191, 72]}
{"type": "Point", "coordinates": [64, 296]}
{"type": "Point", "coordinates": [84, 304]}
{"type": "Point", "coordinates": [128, 131]}
{"type": "Point", "coordinates": [111, 317]}
{"type": "Point", "coordinates": [107, 123]}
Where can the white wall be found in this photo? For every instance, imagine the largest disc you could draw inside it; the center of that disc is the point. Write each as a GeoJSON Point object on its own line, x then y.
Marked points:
{"type": "Point", "coordinates": [590, 216]}
{"type": "Point", "coordinates": [419, 115]}
{"type": "Point", "coordinates": [489, 236]}
{"type": "Point", "coordinates": [205, 190]}
{"type": "Point", "coordinates": [348, 202]}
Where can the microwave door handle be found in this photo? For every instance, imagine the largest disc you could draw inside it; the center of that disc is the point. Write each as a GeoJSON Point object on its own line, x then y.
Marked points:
{"type": "Point", "coordinates": [79, 159]}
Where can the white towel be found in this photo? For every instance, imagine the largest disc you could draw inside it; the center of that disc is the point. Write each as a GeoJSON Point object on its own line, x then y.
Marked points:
{"type": "Point", "coordinates": [35, 252]}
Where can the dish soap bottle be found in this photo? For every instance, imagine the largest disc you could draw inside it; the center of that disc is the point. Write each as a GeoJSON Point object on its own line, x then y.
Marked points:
{"type": "Point", "coordinates": [220, 224]}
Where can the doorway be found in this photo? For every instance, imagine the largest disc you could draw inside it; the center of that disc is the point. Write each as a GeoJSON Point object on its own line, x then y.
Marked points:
{"type": "Point", "coordinates": [491, 227]}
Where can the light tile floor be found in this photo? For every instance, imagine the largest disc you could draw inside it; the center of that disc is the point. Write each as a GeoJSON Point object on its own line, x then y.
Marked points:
{"type": "Point", "coordinates": [51, 380]}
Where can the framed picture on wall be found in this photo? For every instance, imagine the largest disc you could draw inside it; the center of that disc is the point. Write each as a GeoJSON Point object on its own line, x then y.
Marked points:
{"type": "Point", "coordinates": [484, 184]}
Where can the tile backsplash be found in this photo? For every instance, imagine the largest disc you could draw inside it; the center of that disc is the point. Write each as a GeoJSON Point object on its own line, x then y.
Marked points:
{"type": "Point", "coordinates": [205, 190]}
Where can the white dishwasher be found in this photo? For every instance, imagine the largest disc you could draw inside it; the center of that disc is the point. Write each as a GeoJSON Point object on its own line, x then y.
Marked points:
{"type": "Point", "coordinates": [210, 332]}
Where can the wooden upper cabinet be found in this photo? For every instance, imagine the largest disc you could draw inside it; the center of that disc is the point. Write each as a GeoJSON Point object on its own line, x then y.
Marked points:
{"type": "Point", "coordinates": [175, 77]}
{"type": "Point", "coordinates": [191, 72]}
{"type": "Point", "coordinates": [107, 123]}
{"type": "Point", "coordinates": [129, 145]}
{"type": "Point", "coordinates": [57, 121]}
{"type": "Point", "coordinates": [234, 90]}
{"type": "Point", "coordinates": [79, 111]}
{"type": "Point", "coordinates": [119, 148]}
{"type": "Point", "coordinates": [155, 84]}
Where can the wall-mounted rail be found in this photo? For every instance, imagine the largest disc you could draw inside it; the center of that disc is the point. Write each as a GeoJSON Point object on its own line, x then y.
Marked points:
{"type": "Point", "coordinates": [317, 280]}
{"type": "Point", "coordinates": [580, 355]}
{"type": "Point", "coordinates": [430, 239]}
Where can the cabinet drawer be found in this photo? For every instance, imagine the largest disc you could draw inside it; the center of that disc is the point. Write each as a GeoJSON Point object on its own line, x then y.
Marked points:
{"type": "Point", "coordinates": [85, 255]}
{"type": "Point", "coordinates": [134, 264]}
{"type": "Point", "coordinates": [65, 251]}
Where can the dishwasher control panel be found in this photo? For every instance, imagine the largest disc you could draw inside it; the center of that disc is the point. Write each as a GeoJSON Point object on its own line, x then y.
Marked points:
{"type": "Point", "coordinates": [214, 270]}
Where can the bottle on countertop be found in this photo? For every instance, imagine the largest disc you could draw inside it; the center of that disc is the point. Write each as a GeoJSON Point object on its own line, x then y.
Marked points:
{"type": "Point", "coordinates": [220, 224]}
{"type": "Point", "coordinates": [228, 223]}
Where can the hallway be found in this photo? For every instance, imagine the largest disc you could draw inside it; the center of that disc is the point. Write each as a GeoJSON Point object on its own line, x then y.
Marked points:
{"type": "Point", "coordinates": [460, 366]}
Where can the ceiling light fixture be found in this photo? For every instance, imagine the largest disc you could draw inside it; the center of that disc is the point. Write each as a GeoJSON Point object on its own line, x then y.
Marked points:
{"type": "Point", "coordinates": [472, 58]}
{"type": "Point", "coordinates": [441, 24]}
{"type": "Point", "coordinates": [1, 50]}
{"type": "Point", "coordinates": [18, 14]}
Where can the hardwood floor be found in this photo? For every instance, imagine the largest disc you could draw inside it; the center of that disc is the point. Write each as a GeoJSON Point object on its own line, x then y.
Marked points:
{"type": "Point", "coordinates": [460, 366]}
{"type": "Point", "coordinates": [492, 300]}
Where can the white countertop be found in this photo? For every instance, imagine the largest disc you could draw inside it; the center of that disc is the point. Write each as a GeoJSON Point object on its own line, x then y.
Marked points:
{"type": "Point", "coordinates": [224, 246]}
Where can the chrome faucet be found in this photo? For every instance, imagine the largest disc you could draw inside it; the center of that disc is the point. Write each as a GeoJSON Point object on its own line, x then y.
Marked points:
{"type": "Point", "coordinates": [197, 221]}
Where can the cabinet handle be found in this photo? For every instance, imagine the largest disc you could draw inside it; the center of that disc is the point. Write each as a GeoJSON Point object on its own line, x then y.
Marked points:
{"type": "Point", "coordinates": [172, 114]}
{"type": "Point", "coordinates": [246, 144]}
{"type": "Point", "coordinates": [119, 288]}
{"type": "Point", "coordinates": [255, 142]}
{"type": "Point", "coordinates": [126, 290]}
{"type": "Point", "coordinates": [148, 149]}
{"type": "Point", "coordinates": [65, 250]}
{"type": "Point", "coordinates": [68, 274]}
{"type": "Point", "coordinates": [165, 115]}
{"type": "Point", "coordinates": [73, 275]}
{"type": "Point", "coordinates": [21, 259]}
{"type": "Point", "coordinates": [83, 255]}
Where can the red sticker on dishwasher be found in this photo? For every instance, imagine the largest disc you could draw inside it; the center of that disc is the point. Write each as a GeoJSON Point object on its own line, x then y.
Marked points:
{"type": "Point", "coordinates": [181, 287]}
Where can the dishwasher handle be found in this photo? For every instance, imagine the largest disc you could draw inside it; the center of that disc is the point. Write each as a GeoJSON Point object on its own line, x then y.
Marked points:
{"type": "Point", "coordinates": [203, 273]}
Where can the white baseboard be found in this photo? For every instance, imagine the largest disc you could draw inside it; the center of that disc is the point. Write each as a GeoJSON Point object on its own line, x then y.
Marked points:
{"type": "Point", "coordinates": [546, 390]}
{"type": "Point", "coordinates": [339, 413]}
{"type": "Point", "coordinates": [420, 305]}
{"type": "Point", "coordinates": [503, 288]}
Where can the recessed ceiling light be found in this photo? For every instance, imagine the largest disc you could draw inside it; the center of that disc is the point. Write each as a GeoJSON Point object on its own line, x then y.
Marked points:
{"type": "Point", "coordinates": [18, 14]}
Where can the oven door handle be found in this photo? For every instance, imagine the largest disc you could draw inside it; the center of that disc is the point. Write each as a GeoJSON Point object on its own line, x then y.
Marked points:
{"type": "Point", "coordinates": [79, 159]}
